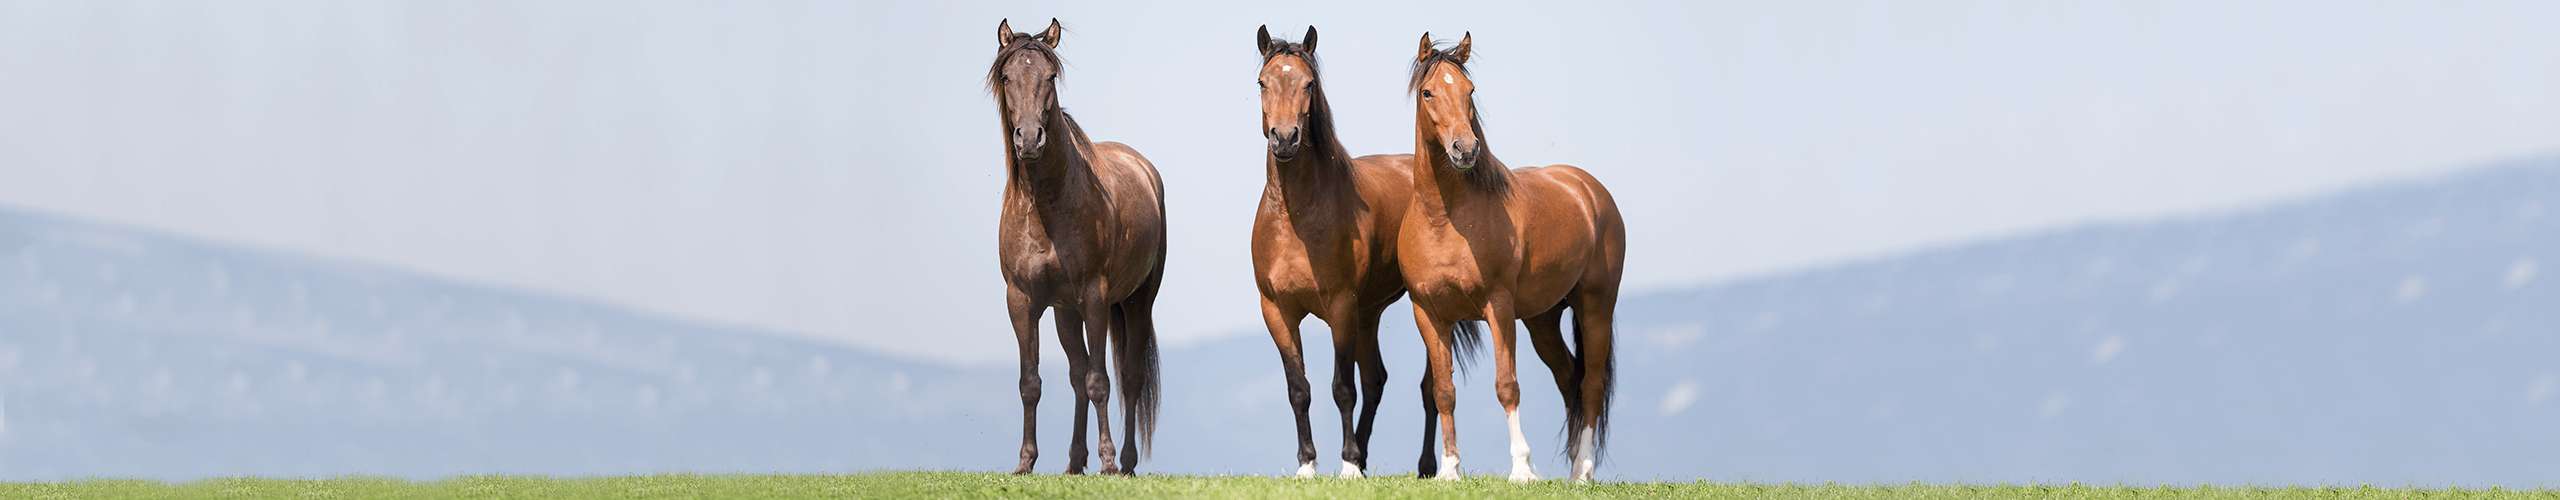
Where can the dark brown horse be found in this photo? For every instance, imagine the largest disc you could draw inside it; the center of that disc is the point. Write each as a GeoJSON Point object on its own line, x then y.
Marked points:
{"type": "Point", "coordinates": [1083, 231]}
{"type": "Point", "coordinates": [1324, 243]}
{"type": "Point", "coordinates": [1485, 242]}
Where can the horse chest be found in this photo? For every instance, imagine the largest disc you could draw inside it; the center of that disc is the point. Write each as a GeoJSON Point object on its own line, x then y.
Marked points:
{"type": "Point", "coordinates": [1443, 273]}
{"type": "Point", "coordinates": [1034, 262]}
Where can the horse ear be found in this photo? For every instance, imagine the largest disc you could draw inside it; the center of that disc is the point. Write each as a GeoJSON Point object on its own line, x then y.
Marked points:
{"type": "Point", "coordinates": [1426, 48]}
{"type": "Point", "coordinates": [1464, 46]}
{"type": "Point", "coordinates": [1262, 40]}
{"type": "Point", "coordinates": [1004, 33]}
{"type": "Point", "coordinates": [1310, 42]}
{"type": "Point", "coordinates": [1055, 34]}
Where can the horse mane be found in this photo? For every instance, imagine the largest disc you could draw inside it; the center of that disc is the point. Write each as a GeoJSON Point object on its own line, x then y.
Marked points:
{"type": "Point", "coordinates": [1490, 174]}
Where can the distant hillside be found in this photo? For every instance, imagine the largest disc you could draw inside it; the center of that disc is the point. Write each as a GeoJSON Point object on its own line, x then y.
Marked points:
{"type": "Point", "coordinates": [2396, 334]}
{"type": "Point", "coordinates": [126, 353]}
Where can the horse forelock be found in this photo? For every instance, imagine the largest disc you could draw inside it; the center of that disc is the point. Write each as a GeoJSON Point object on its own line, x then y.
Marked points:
{"type": "Point", "coordinates": [1287, 48]}
{"type": "Point", "coordinates": [1440, 52]}
{"type": "Point", "coordinates": [1022, 43]}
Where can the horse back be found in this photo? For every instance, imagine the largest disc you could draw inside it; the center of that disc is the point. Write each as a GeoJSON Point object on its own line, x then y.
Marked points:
{"type": "Point", "coordinates": [1573, 225]}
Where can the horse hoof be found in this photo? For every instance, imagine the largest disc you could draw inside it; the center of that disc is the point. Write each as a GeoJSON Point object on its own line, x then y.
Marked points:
{"type": "Point", "coordinates": [1448, 475]}
{"type": "Point", "coordinates": [1112, 471]}
{"type": "Point", "coordinates": [1523, 476]}
{"type": "Point", "coordinates": [1351, 470]}
{"type": "Point", "coordinates": [1306, 470]}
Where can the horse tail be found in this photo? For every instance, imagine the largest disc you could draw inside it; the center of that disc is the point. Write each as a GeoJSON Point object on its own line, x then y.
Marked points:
{"type": "Point", "coordinates": [1608, 388]}
{"type": "Point", "coordinates": [1140, 383]}
{"type": "Point", "coordinates": [1469, 341]}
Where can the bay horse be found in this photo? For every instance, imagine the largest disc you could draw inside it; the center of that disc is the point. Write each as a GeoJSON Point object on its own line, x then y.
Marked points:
{"type": "Point", "coordinates": [1484, 242]}
{"type": "Point", "coordinates": [1324, 243]}
{"type": "Point", "coordinates": [1083, 232]}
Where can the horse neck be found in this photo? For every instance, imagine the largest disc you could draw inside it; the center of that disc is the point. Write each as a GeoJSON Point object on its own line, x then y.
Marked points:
{"type": "Point", "coordinates": [1437, 187]}
{"type": "Point", "coordinates": [1323, 170]}
{"type": "Point", "coordinates": [1062, 180]}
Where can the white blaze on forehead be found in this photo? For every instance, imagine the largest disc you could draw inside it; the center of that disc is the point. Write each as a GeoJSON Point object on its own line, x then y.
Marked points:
{"type": "Point", "coordinates": [1446, 78]}
{"type": "Point", "coordinates": [1284, 68]}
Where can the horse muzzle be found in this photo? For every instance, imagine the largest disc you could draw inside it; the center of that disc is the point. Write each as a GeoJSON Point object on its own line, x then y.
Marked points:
{"type": "Point", "coordinates": [1285, 147]}
{"type": "Point", "coordinates": [1028, 148]}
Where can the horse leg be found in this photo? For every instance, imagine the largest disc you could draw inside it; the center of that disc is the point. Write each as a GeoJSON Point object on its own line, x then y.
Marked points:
{"type": "Point", "coordinates": [1071, 340]}
{"type": "Point", "coordinates": [1373, 387]}
{"type": "Point", "coordinates": [1346, 396]}
{"type": "Point", "coordinates": [1506, 381]}
{"type": "Point", "coordinates": [1284, 336]}
{"type": "Point", "coordinates": [1026, 334]}
{"type": "Point", "coordinates": [1546, 332]}
{"type": "Point", "coordinates": [1440, 390]}
{"type": "Point", "coordinates": [1429, 465]}
{"type": "Point", "coordinates": [1593, 322]}
{"type": "Point", "coordinates": [1097, 382]}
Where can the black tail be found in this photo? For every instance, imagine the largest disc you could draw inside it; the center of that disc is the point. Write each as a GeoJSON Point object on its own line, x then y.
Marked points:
{"type": "Point", "coordinates": [1469, 340]}
{"type": "Point", "coordinates": [1608, 395]}
{"type": "Point", "coordinates": [1139, 383]}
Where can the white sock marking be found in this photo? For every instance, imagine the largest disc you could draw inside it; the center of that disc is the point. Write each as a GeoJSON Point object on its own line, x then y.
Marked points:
{"type": "Point", "coordinates": [1521, 471]}
{"type": "Point", "coordinates": [1585, 455]}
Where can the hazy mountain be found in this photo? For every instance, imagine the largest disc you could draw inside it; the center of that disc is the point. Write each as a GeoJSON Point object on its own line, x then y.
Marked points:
{"type": "Point", "coordinates": [2396, 334]}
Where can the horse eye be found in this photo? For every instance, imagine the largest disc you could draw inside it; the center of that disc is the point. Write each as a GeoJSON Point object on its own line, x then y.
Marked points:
{"type": "Point", "coordinates": [1426, 94]}
{"type": "Point", "coordinates": [1261, 85]}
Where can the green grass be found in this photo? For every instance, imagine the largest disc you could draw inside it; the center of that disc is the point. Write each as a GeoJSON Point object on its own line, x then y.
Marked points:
{"type": "Point", "coordinates": [984, 485]}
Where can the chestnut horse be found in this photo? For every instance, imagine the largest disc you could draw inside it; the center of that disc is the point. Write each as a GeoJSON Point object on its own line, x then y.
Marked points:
{"type": "Point", "coordinates": [1324, 243]}
{"type": "Point", "coordinates": [1485, 242]}
{"type": "Point", "coordinates": [1082, 231]}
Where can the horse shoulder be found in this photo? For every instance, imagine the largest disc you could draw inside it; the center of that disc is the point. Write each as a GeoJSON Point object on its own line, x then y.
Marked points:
{"type": "Point", "coordinates": [1279, 259]}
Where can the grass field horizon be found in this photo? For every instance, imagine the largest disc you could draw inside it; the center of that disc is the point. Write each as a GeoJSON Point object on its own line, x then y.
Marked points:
{"type": "Point", "coordinates": [950, 484]}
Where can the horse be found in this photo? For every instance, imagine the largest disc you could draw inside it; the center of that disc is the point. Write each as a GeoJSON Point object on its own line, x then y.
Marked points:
{"type": "Point", "coordinates": [1324, 243]}
{"type": "Point", "coordinates": [1482, 241]}
{"type": "Point", "coordinates": [1082, 232]}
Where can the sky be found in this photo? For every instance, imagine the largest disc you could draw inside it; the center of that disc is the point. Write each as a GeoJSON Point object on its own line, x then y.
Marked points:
{"type": "Point", "coordinates": [828, 169]}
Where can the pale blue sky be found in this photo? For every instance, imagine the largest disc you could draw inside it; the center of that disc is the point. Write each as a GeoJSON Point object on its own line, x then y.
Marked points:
{"type": "Point", "coordinates": [830, 169]}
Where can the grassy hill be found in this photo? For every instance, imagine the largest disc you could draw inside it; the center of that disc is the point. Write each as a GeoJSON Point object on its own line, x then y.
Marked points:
{"type": "Point", "coordinates": [983, 485]}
